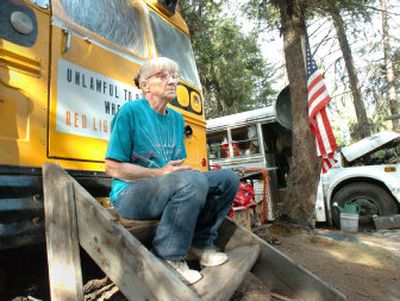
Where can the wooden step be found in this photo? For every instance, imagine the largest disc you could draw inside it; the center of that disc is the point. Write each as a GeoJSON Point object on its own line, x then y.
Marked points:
{"type": "Point", "coordinates": [132, 267]}
{"type": "Point", "coordinates": [220, 282]}
{"type": "Point", "coordinates": [143, 230]}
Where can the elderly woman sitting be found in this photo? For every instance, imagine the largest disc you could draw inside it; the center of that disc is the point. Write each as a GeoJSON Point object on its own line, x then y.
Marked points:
{"type": "Point", "coordinates": [145, 158]}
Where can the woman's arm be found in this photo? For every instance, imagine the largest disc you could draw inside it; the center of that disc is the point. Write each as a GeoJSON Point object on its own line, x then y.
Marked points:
{"type": "Point", "coordinates": [132, 172]}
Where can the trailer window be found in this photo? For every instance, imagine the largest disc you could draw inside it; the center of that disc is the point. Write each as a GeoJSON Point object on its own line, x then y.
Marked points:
{"type": "Point", "coordinates": [175, 45]}
{"type": "Point", "coordinates": [245, 141]}
{"type": "Point", "coordinates": [119, 21]}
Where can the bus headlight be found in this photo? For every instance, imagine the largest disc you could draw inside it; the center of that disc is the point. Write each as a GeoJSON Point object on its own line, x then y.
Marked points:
{"type": "Point", "coordinates": [195, 102]}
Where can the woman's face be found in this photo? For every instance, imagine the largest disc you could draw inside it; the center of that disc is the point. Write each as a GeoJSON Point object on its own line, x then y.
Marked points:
{"type": "Point", "coordinates": [162, 84]}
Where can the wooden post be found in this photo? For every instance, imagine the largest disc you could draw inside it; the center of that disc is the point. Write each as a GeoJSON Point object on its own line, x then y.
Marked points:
{"type": "Point", "coordinates": [62, 240]}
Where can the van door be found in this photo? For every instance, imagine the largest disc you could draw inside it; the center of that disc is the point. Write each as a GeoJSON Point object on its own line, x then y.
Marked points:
{"type": "Point", "coordinates": [97, 48]}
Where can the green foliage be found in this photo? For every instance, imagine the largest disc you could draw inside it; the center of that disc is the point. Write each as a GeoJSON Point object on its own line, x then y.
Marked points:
{"type": "Point", "coordinates": [356, 8]}
{"type": "Point", "coordinates": [234, 75]}
{"type": "Point", "coordinates": [377, 95]}
{"type": "Point", "coordinates": [261, 11]}
{"type": "Point", "coordinates": [377, 125]}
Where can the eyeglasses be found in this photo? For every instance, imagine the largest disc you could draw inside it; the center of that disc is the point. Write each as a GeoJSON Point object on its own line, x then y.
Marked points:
{"type": "Point", "coordinates": [164, 75]}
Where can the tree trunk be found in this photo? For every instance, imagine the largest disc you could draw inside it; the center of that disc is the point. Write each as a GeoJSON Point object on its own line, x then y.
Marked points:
{"type": "Point", "coordinates": [305, 165]}
{"type": "Point", "coordinates": [363, 129]}
{"type": "Point", "coordinates": [389, 67]}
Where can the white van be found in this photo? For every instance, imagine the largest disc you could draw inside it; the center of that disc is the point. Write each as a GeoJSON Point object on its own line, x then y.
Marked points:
{"type": "Point", "coordinates": [367, 173]}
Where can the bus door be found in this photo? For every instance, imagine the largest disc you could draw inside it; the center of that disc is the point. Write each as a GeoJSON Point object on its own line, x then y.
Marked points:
{"type": "Point", "coordinates": [96, 48]}
{"type": "Point", "coordinates": [24, 64]}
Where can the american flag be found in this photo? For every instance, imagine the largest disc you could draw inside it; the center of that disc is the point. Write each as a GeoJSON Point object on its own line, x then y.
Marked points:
{"type": "Point", "coordinates": [318, 99]}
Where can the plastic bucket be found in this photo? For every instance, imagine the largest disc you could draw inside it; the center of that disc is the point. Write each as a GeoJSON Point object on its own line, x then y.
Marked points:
{"type": "Point", "coordinates": [349, 222]}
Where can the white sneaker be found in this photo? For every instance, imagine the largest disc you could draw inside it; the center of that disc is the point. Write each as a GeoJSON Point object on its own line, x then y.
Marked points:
{"type": "Point", "coordinates": [209, 257]}
{"type": "Point", "coordinates": [189, 276]}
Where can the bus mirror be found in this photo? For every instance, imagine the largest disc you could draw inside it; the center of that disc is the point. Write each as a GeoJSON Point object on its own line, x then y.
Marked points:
{"type": "Point", "coordinates": [283, 109]}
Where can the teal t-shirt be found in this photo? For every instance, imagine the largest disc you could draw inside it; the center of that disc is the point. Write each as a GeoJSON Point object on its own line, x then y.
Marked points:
{"type": "Point", "coordinates": [142, 136]}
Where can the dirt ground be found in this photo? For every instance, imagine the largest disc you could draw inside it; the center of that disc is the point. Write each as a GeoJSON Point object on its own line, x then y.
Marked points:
{"type": "Point", "coordinates": [363, 266]}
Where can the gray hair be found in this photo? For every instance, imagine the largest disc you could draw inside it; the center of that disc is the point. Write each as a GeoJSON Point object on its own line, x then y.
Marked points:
{"type": "Point", "coordinates": [154, 65]}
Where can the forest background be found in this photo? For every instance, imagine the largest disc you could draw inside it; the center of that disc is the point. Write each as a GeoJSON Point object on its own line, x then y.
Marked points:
{"type": "Point", "coordinates": [355, 43]}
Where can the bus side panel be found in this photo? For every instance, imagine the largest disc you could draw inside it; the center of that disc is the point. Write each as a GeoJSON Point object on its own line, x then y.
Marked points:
{"type": "Point", "coordinates": [196, 142]}
{"type": "Point", "coordinates": [23, 90]}
{"type": "Point", "coordinates": [24, 67]}
{"type": "Point", "coordinates": [80, 113]}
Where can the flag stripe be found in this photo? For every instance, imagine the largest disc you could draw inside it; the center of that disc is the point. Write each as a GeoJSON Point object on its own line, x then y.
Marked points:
{"type": "Point", "coordinates": [317, 95]}
{"type": "Point", "coordinates": [330, 138]}
{"type": "Point", "coordinates": [322, 125]}
{"type": "Point", "coordinates": [314, 83]}
{"type": "Point", "coordinates": [317, 106]}
{"type": "Point", "coordinates": [320, 143]}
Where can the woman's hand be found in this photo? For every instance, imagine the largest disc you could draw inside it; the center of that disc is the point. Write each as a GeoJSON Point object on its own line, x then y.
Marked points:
{"type": "Point", "coordinates": [174, 166]}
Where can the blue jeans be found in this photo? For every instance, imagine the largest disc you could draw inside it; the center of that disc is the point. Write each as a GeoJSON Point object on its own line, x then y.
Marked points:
{"type": "Point", "coordinates": [190, 205]}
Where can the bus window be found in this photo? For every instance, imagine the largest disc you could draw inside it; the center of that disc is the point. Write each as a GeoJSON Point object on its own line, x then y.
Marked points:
{"type": "Point", "coordinates": [121, 22]}
{"type": "Point", "coordinates": [215, 143]}
{"type": "Point", "coordinates": [245, 141]}
{"type": "Point", "coordinates": [172, 43]}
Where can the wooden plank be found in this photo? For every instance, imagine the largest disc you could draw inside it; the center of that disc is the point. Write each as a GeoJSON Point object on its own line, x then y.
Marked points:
{"type": "Point", "coordinates": [278, 272]}
{"type": "Point", "coordinates": [65, 273]}
{"type": "Point", "coordinates": [144, 233]}
{"type": "Point", "coordinates": [134, 269]}
{"type": "Point", "coordinates": [220, 282]}
{"type": "Point", "coordinates": [143, 230]}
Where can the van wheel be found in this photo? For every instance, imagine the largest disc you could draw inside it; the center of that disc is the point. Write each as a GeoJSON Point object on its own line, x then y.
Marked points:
{"type": "Point", "coordinates": [372, 199]}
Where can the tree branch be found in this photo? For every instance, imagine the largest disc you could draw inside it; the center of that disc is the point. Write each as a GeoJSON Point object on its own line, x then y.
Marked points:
{"type": "Point", "coordinates": [380, 10]}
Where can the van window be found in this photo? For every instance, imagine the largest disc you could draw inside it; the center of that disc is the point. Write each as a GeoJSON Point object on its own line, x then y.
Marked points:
{"type": "Point", "coordinates": [172, 43]}
{"type": "Point", "coordinates": [245, 141]}
{"type": "Point", "coordinates": [119, 21]}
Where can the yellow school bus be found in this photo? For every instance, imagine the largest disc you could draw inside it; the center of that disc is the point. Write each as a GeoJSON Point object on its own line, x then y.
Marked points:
{"type": "Point", "coordinates": [66, 67]}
